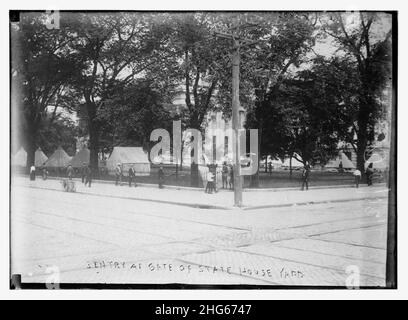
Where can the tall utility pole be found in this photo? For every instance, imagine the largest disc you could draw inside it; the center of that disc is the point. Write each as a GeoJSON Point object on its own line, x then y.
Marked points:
{"type": "Point", "coordinates": [236, 123]}
{"type": "Point", "coordinates": [237, 43]}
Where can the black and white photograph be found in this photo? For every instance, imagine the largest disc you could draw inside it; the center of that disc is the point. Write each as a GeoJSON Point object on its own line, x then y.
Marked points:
{"type": "Point", "coordinates": [203, 149]}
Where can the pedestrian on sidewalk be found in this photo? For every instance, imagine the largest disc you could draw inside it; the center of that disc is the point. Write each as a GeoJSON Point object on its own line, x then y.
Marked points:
{"type": "Point", "coordinates": [44, 173]}
{"type": "Point", "coordinates": [270, 167]}
{"type": "Point", "coordinates": [370, 174]}
{"type": "Point", "coordinates": [32, 173]}
{"type": "Point", "coordinates": [341, 170]}
{"type": "Point", "coordinates": [161, 177]}
{"type": "Point", "coordinates": [225, 175]}
{"type": "Point", "coordinates": [88, 176]}
{"type": "Point", "coordinates": [210, 182]}
{"type": "Point", "coordinates": [357, 177]}
{"type": "Point", "coordinates": [70, 172]}
{"type": "Point", "coordinates": [132, 176]}
{"type": "Point", "coordinates": [83, 171]}
{"type": "Point", "coordinates": [118, 174]}
{"type": "Point", "coordinates": [305, 176]}
{"type": "Point", "coordinates": [231, 177]}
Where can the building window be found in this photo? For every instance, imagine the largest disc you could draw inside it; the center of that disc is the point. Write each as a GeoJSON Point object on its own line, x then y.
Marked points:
{"type": "Point", "coordinates": [226, 146]}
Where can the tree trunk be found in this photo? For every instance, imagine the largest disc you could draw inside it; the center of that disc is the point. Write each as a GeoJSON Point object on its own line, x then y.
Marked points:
{"type": "Point", "coordinates": [31, 142]}
{"type": "Point", "coordinates": [362, 141]}
{"type": "Point", "coordinates": [94, 149]}
{"type": "Point", "coordinates": [290, 167]}
{"type": "Point", "coordinates": [94, 132]}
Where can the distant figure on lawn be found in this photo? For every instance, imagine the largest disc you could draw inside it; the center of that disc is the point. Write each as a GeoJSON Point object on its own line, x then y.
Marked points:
{"type": "Point", "coordinates": [305, 176]}
{"type": "Point", "coordinates": [32, 173]}
{"type": "Point", "coordinates": [225, 175]}
{"type": "Point", "coordinates": [88, 176]}
{"type": "Point", "coordinates": [118, 174]}
{"type": "Point", "coordinates": [341, 167]}
{"type": "Point", "coordinates": [270, 167]}
{"type": "Point", "coordinates": [357, 177]}
{"type": "Point", "coordinates": [70, 172]}
{"type": "Point", "coordinates": [132, 176]}
{"type": "Point", "coordinates": [161, 177]}
{"type": "Point", "coordinates": [370, 174]}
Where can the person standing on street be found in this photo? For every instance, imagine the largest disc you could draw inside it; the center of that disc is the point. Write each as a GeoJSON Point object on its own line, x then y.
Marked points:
{"type": "Point", "coordinates": [70, 172]}
{"type": "Point", "coordinates": [118, 174]}
{"type": "Point", "coordinates": [224, 175]}
{"type": "Point", "coordinates": [83, 172]}
{"type": "Point", "coordinates": [369, 174]}
{"type": "Point", "coordinates": [45, 174]}
{"type": "Point", "coordinates": [132, 175]}
{"type": "Point", "coordinates": [88, 176]}
{"type": "Point", "coordinates": [32, 173]}
{"type": "Point", "coordinates": [161, 177]}
{"type": "Point", "coordinates": [270, 167]}
{"type": "Point", "coordinates": [305, 177]}
{"type": "Point", "coordinates": [357, 177]}
{"type": "Point", "coordinates": [231, 177]}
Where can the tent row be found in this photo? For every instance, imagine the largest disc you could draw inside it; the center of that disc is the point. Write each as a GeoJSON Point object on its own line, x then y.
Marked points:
{"type": "Point", "coordinates": [125, 156]}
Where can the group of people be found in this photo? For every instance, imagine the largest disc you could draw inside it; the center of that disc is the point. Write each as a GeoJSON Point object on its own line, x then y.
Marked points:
{"type": "Point", "coordinates": [369, 174]}
{"type": "Point", "coordinates": [227, 176]}
{"type": "Point", "coordinates": [119, 175]}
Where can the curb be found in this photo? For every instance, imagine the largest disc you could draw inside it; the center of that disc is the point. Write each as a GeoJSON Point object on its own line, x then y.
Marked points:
{"type": "Point", "coordinates": [309, 203]}
{"type": "Point", "coordinates": [171, 187]}
{"type": "Point", "coordinates": [217, 207]}
{"type": "Point", "coordinates": [183, 204]}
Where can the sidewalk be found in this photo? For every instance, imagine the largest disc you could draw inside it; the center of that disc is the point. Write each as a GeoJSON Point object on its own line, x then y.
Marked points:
{"type": "Point", "coordinates": [221, 200]}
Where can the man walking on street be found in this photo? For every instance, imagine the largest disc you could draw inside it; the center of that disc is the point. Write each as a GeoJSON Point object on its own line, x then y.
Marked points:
{"type": "Point", "coordinates": [70, 172]}
{"type": "Point", "coordinates": [83, 172]}
{"type": "Point", "coordinates": [132, 175]}
{"type": "Point", "coordinates": [224, 175]}
{"type": "Point", "coordinates": [161, 177]}
{"type": "Point", "coordinates": [305, 177]}
{"type": "Point", "coordinates": [88, 176]}
{"type": "Point", "coordinates": [370, 174]}
{"type": "Point", "coordinates": [357, 177]}
{"type": "Point", "coordinates": [118, 174]}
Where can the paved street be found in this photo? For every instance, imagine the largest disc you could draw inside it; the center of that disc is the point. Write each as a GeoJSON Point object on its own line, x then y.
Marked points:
{"type": "Point", "coordinates": [84, 238]}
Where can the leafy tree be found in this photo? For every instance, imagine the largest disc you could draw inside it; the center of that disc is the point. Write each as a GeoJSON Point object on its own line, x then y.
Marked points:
{"type": "Point", "coordinates": [41, 72]}
{"type": "Point", "coordinates": [62, 131]}
{"type": "Point", "coordinates": [365, 39]}
{"type": "Point", "coordinates": [115, 48]}
{"type": "Point", "coordinates": [133, 113]}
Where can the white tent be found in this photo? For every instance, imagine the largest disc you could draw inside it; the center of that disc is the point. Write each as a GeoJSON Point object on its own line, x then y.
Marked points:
{"type": "Point", "coordinates": [335, 163]}
{"type": "Point", "coordinates": [40, 158]}
{"type": "Point", "coordinates": [59, 159]}
{"type": "Point", "coordinates": [80, 158]}
{"type": "Point", "coordinates": [20, 158]}
{"type": "Point", "coordinates": [295, 163]}
{"type": "Point", "coordinates": [379, 162]}
{"type": "Point", "coordinates": [127, 157]}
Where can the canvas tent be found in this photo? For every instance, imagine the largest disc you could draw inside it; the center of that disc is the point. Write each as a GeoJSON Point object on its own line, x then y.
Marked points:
{"type": "Point", "coordinates": [346, 162]}
{"type": "Point", "coordinates": [40, 158]}
{"type": "Point", "coordinates": [80, 158]}
{"type": "Point", "coordinates": [20, 158]}
{"type": "Point", "coordinates": [59, 159]}
{"type": "Point", "coordinates": [295, 163]}
{"type": "Point", "coordinates": [127, 157]}
{"type": "Point", "coordinates": [380, 162]}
